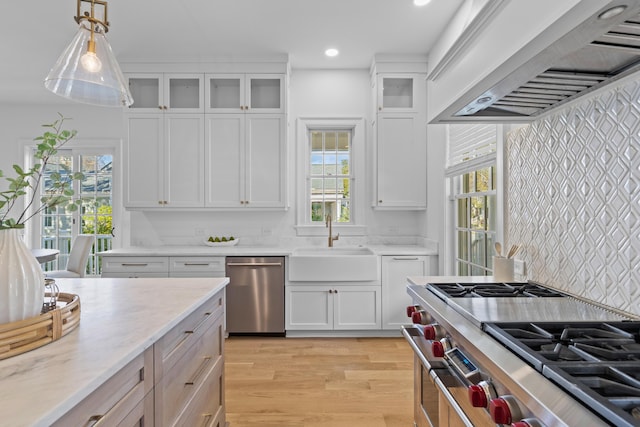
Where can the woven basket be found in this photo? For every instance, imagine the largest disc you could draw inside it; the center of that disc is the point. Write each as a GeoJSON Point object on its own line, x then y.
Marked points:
{"type": "Point", "coordinates": [28, 334]}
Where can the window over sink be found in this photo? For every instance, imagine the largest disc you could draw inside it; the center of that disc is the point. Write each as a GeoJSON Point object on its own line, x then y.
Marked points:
{"type": "Point", "coordinates": [330, 173]}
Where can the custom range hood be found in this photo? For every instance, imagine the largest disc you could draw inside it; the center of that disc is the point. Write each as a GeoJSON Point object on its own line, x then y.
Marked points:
{"type": "Point", "coordinates": [602, 49]}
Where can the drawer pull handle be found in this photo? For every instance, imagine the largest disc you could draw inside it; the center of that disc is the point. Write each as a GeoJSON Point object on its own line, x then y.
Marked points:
{"type": "Point", "coordinates": [200, 370]}
{"type": "Point", "coordinates": [206, 316]}
{"type": "Point", "coordinates": [254, 264]}
{"type": "Point", "coordinates": [196, 263]}
{"type": "Point", "coordinates": [93, 420]}
{"type": "Point", "coordinates": [135, 264]}
{"type": "Point", "coordinates": [405, 258]}
{"type": "Point", "coordinates": [206, 418]}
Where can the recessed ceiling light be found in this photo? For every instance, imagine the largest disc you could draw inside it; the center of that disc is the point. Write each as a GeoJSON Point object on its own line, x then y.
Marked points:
{"type": "Point", "coordinates": [331, 52]}
{"type": "Point", "coordinates": [421, 2]}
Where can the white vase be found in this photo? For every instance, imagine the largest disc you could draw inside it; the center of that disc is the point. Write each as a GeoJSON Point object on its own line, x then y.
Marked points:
{"type": "Point", "coordinates": [21, 279]}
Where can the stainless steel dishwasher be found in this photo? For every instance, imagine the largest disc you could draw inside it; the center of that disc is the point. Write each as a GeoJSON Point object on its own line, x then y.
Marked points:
{"type": "Point", "coordinates": [255, 295]}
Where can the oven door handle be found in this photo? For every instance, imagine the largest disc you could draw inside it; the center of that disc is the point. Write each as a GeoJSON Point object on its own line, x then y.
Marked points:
{"type": "Point", "coordinates": [452, 402]}
{"type": "Point", "coordinates": [407, 332]}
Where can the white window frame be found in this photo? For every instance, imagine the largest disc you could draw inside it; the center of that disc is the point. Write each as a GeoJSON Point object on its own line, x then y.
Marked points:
{"type": "Point", "coordinates": [304, 226]}
{"type": "Point", "coordinates": [451, 174]}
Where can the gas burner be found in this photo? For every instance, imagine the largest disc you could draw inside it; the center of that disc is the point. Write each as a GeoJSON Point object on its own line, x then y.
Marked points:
{"type": "Point", "coordinates": [492, 290]}
{"type": "Point", "coordinates": [543, 342]}
{"type": "Point", "coordinates": [613, 390]}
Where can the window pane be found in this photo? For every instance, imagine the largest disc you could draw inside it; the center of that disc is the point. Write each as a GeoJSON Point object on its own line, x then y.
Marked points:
{"type": "Point", "coordinates": [477, 213]}
{"type": "Point", "coordinates": [483, 180]}
{"type": "Point", "coordinates": [463, 213]}
{"type": "Point", "coordinates": [463, 245]}
{"type": "Point", "coordinates": [330, 175]}
{"type": "Point", "coordinates": [478, 248]}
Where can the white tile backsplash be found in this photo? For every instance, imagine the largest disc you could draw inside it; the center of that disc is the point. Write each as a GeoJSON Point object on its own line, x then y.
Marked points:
{"type": "Point", "coordinates": [574, 197]}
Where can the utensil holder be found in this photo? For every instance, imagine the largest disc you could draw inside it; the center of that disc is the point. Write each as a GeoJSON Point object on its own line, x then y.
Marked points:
{"type": "Point", "coordinates": [502, 269]}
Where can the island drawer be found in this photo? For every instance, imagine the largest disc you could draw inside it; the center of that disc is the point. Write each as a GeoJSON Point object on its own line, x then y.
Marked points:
{"type": "Point", "coordinates": [207, 407]}
{"type": "Point", "coordinates": [118, 399]}
{"type": "Point", "coordinates": [180, 385]}
{"type": "Point", "coordinates": [169, 349]}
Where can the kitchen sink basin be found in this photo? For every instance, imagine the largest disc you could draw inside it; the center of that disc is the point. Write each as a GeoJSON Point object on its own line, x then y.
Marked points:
{"type": "Point", "coordinates": [342, 264]}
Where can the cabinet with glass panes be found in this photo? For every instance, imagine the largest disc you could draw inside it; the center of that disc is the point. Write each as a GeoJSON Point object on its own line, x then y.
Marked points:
{"type": "Point", "coordinates": [161, 92]}
{"type": "Point", "coordinates": [249, 93]}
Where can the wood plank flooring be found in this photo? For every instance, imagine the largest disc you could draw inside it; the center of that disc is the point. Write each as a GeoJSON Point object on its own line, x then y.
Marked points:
{"type": "Point", "coordinates": [318, 382]}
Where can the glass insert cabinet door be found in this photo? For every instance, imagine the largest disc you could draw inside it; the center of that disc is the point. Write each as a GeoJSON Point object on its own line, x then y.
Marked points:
{"type": "Point", "coordinates": [178, 93]}
{"type": "Point", "coordinates": [396, 93]}
{"type": "Point", "coordinates": [251, 93]}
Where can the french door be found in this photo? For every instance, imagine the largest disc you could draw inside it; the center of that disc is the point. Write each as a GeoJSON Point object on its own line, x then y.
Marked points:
{"type": "Point", "coordinates": [94, 193]}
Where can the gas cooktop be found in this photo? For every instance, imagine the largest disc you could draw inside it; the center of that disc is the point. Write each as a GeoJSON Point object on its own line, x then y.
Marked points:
{"type": "Point", "coordinates": [492, 290]}
{"type": "Point", "coordinates": [596, 362]}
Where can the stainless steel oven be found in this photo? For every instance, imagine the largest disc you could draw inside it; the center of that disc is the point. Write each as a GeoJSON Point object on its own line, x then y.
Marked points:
{"type": "Point", "coordinates": [476, 380]}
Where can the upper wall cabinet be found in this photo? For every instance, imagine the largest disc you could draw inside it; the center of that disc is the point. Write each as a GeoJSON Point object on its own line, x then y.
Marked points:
{"type": "Point", "coordinates": [396, 93]}
{"type": "Point", "coordinates": [174, 93]}
{"type": "Point", "coordinates": [400, 134]}
{"type": "Point", "coordinates": [251, 93]}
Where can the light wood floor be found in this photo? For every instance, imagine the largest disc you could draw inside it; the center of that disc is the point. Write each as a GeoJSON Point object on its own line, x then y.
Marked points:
{"type": "Point", "coordinates": [332, 382]}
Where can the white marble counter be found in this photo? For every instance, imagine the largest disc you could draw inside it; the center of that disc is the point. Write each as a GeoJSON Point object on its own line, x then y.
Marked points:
{"type": "Point", "coordinates": [119, 319]}
{"type": "Point", "coordinates": [240, 250]}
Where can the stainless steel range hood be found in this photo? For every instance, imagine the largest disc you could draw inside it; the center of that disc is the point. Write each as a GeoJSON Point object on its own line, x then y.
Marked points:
{"type": "Point", "coordinates": [601, 50]}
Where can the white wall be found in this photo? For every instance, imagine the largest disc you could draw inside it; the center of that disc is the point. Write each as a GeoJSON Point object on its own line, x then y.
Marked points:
{"type": "Point", "coordinates": [312, 93]}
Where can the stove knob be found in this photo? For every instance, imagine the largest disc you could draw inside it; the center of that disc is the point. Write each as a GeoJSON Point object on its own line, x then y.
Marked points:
{"type": "Point", "coordinates": [412, 309]}
{"type": "Point", "coordinates": [419, 318]}
{"type": "Point", "coordinates": [481, 393]}
{"type": "Point", "coordinates": [437, 349]}
{"type": "Point", "coordinates": [433, 332]}
{"type": "Point", "coordinates": [527, 422]}
{"type": "Point", "coordinates": [504, 409]}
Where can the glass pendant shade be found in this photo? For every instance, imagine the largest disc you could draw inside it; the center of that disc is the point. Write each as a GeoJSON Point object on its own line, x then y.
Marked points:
{"type": "Point", "coordinates": [87, 71]}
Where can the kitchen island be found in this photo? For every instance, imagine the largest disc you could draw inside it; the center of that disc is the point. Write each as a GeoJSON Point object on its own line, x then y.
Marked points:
{"type": "Point", "coordinates": [160, 323]}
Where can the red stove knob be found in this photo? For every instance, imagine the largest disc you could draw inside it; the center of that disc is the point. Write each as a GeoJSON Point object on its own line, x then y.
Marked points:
{"type": "Point", "coordinates": [412, 309]}
{"type": "Point", "coordinates": [481, 393]}
{"type": "Point", "coordinates": [504, 409]}
{"type": "Point", "coordinates": [430, 332]}
{"type": "Point", "coordinates": [437, 349]}
{"type": "Point", "coordinates": [478, 397]}
{"type": "Point", "coordinates": [419, 317]}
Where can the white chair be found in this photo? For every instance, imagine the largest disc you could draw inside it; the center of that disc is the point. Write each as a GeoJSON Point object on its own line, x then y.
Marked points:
{"type": "Point", "coordinates": [77, 263]}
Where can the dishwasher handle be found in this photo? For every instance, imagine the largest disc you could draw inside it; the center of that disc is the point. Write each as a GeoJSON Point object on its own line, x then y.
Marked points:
{"type": "Point", "coordinates": [254, 264]}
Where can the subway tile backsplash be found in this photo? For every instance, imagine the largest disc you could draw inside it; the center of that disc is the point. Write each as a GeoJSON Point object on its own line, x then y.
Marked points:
{"type": "Point", "coordinates": [574, 197]}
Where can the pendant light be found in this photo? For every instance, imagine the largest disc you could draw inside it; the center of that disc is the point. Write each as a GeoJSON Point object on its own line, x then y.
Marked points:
{"type": "Point", "coordinates": [87, 70]}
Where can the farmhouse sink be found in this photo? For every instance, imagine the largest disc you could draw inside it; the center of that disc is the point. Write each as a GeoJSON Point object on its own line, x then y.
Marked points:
{"type": "Point", "coordinates": [341, 264]}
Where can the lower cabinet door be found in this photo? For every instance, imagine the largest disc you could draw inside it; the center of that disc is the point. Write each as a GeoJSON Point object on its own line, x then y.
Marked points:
{"type": "Point", "coordinates": [309, 307]}
{"type": "Point", "coordinates": [357, 307]}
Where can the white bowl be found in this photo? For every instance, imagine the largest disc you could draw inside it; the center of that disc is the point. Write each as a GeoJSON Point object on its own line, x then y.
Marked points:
{"type": "Point", "coordinates": [227, 243]}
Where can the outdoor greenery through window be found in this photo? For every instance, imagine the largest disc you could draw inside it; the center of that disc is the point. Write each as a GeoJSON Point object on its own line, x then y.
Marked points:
{"type": "Point", "coordinates": [330, 175]}
{"type": "Point", "coordinates": [94, 216]}
{"type": "Point", "coordinates": [475, 221]}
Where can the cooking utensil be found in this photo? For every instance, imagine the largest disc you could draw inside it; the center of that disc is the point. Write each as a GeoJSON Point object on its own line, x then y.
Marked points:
{"type": "Point", "coordinates": [498, 247]}
{"type": "Point", "coordinates": [513, 250]}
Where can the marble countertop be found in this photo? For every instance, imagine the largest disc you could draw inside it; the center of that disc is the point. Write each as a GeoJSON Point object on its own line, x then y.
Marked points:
{"type": "Point", "coordinates": [120, 318]}
{"type": "Point", "coordinates": [240, 250]}
{"type": "Point", "coordinates": [425, 280]}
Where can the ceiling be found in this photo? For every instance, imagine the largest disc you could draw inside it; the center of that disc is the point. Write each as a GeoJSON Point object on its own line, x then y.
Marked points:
{"type": "Point", "coordinates": [34, 33]}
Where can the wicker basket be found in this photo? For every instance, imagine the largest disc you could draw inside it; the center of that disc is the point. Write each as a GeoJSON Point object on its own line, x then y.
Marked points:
{"type": "Point", "coordinates": [25, 335]}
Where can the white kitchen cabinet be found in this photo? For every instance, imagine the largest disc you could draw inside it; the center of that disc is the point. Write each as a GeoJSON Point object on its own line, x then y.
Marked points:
{"type": "Point", "coordinates": [395, 270]}
{"type": "Point", "coordinates": [333, 307]}
{"type": "Point", "coordinates": [164, 161]}
{"type": "Point", "coordinates": [164, 92]}
{"type": "Point", "coordinates": [399, 132]}
{"type": "Point", "coordinates": [245, 93]}
{"type": "Point", "coordinates": [163, 266]}
{"type": "Point", "coordinates": [246, 161]}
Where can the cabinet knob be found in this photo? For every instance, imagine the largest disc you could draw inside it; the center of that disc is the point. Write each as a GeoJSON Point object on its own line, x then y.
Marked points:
{"type": "Point", "coordinates": [379, 201]}
{"type": "Point", "coordinates": [159, 202]}
{"type": "Point", "coordinates": [242, 107]}
{"type": "Point", "coordinates": [379, 108]}
{"type": "Point", "coordinates": [159, 107]}
{"type": "Point", "coordinates": [246, 107]}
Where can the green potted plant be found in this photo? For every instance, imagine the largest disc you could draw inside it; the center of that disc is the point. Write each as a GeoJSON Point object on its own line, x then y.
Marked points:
{"type": "Point", "coordinates": [21, 278]}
